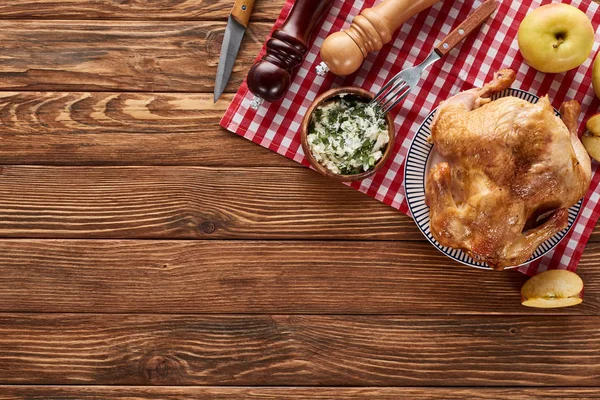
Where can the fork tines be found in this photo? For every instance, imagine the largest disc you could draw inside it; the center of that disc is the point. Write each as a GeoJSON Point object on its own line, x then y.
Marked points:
{"type": "Point", "coordinates": [391, 94]}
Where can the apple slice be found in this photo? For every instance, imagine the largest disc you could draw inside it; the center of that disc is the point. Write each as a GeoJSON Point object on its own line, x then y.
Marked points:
{"type": "Point", "coordinates": [552, 289]}
{"type": "Point", "coordinates": [591, 138]}
{"type": "Point", "coordinates": [596, 75]}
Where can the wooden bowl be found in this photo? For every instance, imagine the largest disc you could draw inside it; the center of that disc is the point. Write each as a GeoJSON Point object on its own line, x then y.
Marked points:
{"type": "Point", "coordinates": [306, 147]}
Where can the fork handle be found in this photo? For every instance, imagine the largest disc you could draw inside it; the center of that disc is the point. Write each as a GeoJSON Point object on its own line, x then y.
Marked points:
{"type": "Point", "coordinates": [472, 22]}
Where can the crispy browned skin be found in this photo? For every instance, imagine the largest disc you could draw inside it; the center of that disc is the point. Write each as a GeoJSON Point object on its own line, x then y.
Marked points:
{"type": "Point", "coordinates": [513, 170]}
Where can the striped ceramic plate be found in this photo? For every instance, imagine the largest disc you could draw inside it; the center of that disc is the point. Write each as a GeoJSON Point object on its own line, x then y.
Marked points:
{"type": "Point", "coordinates": [422, 156]}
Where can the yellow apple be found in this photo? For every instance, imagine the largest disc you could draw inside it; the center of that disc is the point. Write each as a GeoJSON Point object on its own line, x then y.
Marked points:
{"type": "Point", "coordinates": [596, 75]}
{"type": "Point", "coordinates": [591, 138]}
{"type": "Point", "coordinates": [555, 38]}
{"type": "Point", "coordinates": [552, 289]}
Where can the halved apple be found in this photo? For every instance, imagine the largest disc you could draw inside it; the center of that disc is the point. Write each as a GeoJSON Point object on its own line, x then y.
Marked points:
{"type": "Point", "coordinates": [552, 289]}
{"type": "Point", "coordinates": [591, 138]}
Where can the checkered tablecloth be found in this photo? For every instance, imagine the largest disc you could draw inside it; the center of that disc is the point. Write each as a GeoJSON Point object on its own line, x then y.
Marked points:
{"type": "Point", "coordinates": [276, 126]}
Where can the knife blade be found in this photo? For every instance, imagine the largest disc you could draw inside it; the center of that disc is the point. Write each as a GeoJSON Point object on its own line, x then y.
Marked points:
{"type": "Point", "coordinates": [234, 33]}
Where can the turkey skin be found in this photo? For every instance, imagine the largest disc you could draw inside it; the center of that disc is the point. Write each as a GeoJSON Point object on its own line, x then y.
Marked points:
{"type": "Point", "coordinates": [512, 171]}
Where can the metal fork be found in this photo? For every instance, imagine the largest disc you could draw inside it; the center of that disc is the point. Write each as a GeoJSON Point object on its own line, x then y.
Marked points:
{"type": "Point", "coordinates": [397, 88]}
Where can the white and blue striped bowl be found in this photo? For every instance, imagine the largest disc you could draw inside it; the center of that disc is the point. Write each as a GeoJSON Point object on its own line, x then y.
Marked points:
{"type": "Point", "coordinates": [418, 163]}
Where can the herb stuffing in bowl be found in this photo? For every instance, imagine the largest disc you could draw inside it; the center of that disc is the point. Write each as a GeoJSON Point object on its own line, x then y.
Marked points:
{"type": "Point", "coordinates": [344, 137]}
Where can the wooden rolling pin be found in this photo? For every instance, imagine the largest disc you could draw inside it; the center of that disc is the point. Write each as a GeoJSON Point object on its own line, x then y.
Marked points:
{"type": "Point", "coordinates": [270, 78]}
{"type": "Point", "coordinates": [344, 52]}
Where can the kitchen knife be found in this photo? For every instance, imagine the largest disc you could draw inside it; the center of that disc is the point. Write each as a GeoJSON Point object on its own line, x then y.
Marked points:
{"type": "Point", "coordinates": [236, 27]}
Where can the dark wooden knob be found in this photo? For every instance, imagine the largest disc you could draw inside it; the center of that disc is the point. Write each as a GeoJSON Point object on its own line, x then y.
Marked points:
{"type": "Point", "coordinates": [271, 77]}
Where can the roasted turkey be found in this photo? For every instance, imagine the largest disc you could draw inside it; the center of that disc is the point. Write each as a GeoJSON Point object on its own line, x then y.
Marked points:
{"type": "Point", "coordinates": [513, 169]}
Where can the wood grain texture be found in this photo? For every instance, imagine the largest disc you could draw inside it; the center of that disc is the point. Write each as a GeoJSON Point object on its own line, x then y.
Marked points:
{"type": "Point", "coordinates": [225, 277]}
{"type": "Point", "coordinates": [265, 10]}
{"type": "Point", "coordinates": [99, 128]}
{"type": "Point", "coordinates": [168, 56]}
{"type": "Point", "coordinates": [36, 113]}
{"type": "Point", "coordinates": [299, 350]}
{"type": "Point", "coordinates": [311, 393]}
{"type": "Point", "coordinates": [190, 203]}
{"type": "Point", "coordinates": [158, 312]}
{"type": "Point", "coordinates": [187, 202]}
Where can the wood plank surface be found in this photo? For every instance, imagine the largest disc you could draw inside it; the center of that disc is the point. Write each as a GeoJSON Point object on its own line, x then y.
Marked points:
{"type": "Point", "coordinates": [191, 203]}
{"type": "Point", "coordinates": [311, 393]}
{"type": "Point", "coordinates": [299, 350]}
{"type": "Point", "coordinates": [99, 128]}
{"type": "Point", "coordinates": [264, 10]}
{"type": "Point", "coordinates": [107, 276]}
{"type": "Point", "coordinates": [73, 113]}
{"type": "Point", "coordinates": [107, 105]}
{"type": "Point", "coordinates": [187, 202]}
{"type": "Point", "coordinates": [168, 56]}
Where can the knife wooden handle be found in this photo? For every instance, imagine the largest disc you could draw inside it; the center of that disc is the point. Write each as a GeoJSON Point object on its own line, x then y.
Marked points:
{"type": "Point", "coordinates": [271, 77]}
{"type": "Point", "coordinates": [345, 51]}
{"type": "Point", "coordinates": [242, 10]}
{"type": "Point", "coordinates": [472, 22]}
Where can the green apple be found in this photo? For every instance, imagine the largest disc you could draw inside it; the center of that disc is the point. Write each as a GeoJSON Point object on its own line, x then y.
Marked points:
{"type": "Point", "coordinates": [596, 76]}
{"type": "Point", "coordinates": [552, 289]}
{"type": "Point", "coordinates": [555, 38]}
{"type": "Point", "coordinates": [591, 138]}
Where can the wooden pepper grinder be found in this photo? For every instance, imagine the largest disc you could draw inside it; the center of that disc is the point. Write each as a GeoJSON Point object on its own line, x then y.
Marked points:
{"type": "Point", "coordinates": [344, 52]}
{"type": "Point", "coordinates": [270, 78]}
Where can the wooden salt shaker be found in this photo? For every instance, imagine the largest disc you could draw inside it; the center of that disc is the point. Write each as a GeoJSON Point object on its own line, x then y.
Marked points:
{"type": "Point", "coordinates": [344, 52]}
{"type": "Point", "coordinates": [270, 78]}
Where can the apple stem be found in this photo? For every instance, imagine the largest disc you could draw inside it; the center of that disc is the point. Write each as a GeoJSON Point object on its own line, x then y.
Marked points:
{"type": "Point", "coordinates": [560, 40]}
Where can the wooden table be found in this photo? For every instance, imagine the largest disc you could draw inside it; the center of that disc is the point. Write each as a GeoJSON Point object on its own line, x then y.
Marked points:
{"type": "Point", "coordinates": [147, 253]}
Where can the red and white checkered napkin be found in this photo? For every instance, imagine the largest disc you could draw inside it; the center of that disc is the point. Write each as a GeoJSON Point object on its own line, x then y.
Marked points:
{"type": "Point", "coordinates": [277, 126]}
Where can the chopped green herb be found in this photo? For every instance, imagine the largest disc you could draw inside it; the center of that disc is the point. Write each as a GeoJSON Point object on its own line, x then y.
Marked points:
{"type": "Point", "coordinates": [347, 135]}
